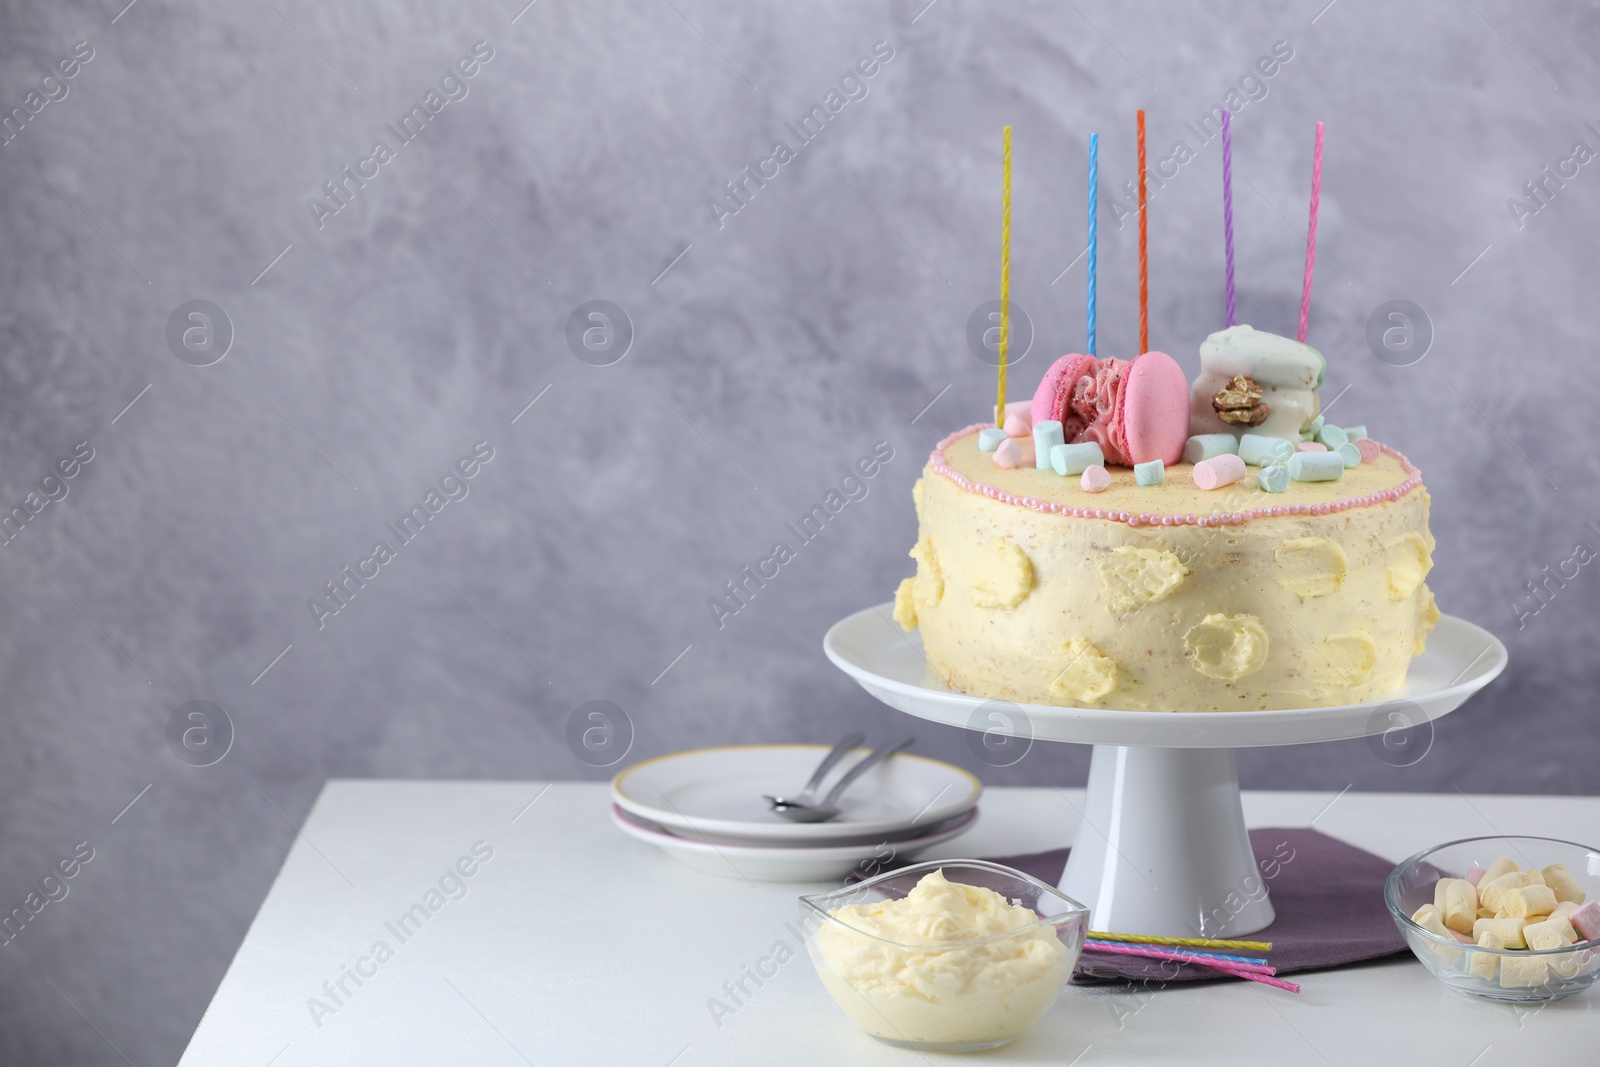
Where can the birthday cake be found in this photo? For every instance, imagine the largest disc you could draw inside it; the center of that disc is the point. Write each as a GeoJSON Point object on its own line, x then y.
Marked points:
{"type": "Point", "coordinates": [1223, 583]}
{"type": "Point", "coordinates": [1127, 539]}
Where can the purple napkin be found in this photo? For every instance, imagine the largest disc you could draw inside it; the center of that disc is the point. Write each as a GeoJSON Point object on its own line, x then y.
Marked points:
{"type": "Point", "coordinates": [1328, 896]}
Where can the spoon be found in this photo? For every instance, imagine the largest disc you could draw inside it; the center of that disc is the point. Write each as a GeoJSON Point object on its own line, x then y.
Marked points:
{"type": "Point", "coordinates": [808, 793]}
{"type": "Point", "coordinates": [828, 807]}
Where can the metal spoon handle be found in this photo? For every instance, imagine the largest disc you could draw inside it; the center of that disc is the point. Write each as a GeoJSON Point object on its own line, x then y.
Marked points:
{"type": "Point", "coordinates": [844, 747]}
{"type": "Point", "coordinates": [867, 763]}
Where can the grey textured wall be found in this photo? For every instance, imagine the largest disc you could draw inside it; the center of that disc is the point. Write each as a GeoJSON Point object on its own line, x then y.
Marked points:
{"type": "Point", "coordinates": [772, 347]}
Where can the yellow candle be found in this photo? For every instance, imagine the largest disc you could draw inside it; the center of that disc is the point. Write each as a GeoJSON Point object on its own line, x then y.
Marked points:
{"type": "Point", "coordinates": [1005, 276]}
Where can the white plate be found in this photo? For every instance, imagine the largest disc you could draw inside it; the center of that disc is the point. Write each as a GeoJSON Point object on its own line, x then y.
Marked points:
{"type": "Point", "coordinates": [924, 826]}
{"type": "Point", "coordinates": [1459, 660]}
{"type": "Point", "coordinates": [756, 863]}
{"type": "Point", "coordinates": [717, 791]}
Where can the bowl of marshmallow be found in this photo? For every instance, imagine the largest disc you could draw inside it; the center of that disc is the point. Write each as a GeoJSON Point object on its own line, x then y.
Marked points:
{"type": "Point", "coordinates": [1504, 918]}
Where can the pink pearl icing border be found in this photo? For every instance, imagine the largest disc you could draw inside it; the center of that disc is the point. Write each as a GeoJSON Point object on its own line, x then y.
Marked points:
{"type": "Point", "coordinates": [1236, 518]}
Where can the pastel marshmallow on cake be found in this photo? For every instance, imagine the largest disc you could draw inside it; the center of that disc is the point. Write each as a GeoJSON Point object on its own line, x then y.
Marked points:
{"type": "Point", "coordinates": [1259, 450]}
{"type": "Point", "coordinates": [1046, 435]}
{"type": "Point", "coordinates": [1075, 459]}
{"type": "Point", "coordinates": [1207, 445]}
{"type": "Point", "coordinates": [1009, 454]}
{"type": "Point", "coordinates": [1287, 371]}
{"type": "Point", "coordinates": [1218, 471]}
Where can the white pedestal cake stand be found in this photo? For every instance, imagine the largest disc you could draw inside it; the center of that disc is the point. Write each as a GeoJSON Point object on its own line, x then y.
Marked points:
{"type": "Point", "coordinates": [1164, 849]}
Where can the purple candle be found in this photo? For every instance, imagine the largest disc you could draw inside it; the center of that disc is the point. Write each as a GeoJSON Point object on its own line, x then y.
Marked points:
{"type": "Point", "coordinates": [1227, 205]}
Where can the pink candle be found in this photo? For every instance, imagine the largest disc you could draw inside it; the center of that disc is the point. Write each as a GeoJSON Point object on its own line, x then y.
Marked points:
{"type": "Point", "coordinates": [1311, 235]}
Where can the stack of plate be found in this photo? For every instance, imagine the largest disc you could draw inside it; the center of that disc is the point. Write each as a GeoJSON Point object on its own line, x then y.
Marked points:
{"type": "Point", "coordinates": [704, 808]}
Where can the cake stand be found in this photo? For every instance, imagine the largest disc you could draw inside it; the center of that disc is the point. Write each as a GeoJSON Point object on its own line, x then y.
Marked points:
{"type": "Point", "coordinates": [1164, 849]}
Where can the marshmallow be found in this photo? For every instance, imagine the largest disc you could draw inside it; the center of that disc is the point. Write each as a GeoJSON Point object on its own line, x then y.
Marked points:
{"type": "Point", "coordinates": [1429, 919]}
{"type": "Point", "coordinates": [1218, 471]}
{"type": "Point", "coordinates": [1021, 407]}
{"type": "Point", "coordinates": [1151, 473]}
{"type": "Point", "coordinates": [1508, 930]}
{"type": "Point", "coordinates": [989, 439]}
{"type": "Point", "coordinates": [1482, 964]}
{"type": "Point", "coordinates": [1316, 466]}
{"type": "Point", "coordinates": [1566, 887]}
{"type": "Point", "coordinates": [1475, 875]}
{"type": "Point", "coordinates": [1555, 933]}
{"type": "Point", "coordinates": [1310, 446]}
{"type": "Point", "coordinates": [1274, 479]}
{"type": "Point", "coordinates": [1491, 894]}
{"type": "Point", "coordinates": [1332, 436]}
{"type": "Point", "coordinates": [1522, 972]}
{"type": "Point", "coordinates": [1046, 435]}
{"type": "Point", "coordinates": [1552, 933]}
{"type": "Point", "coordinates": [1314, 427]}
{"type": "Point", "coordinates": [1205, 445]}
{"type": "Point", "coordinates": [1258, 450]}
{"type": "Point", "coordinates": [1075, 459]}
{"type": "Point", "coordinates": [1368, 448]}
{"type": "Point", "coordinates": [1528, 901]}
{"type": "Point", "coordinates": [1350, 454]}
{"type": "Point", "coordinates": [1563, 909]}
{"type": "Point", "coordinates": [1501, 865]}
{"type": "Point", "coordinates": [1485, 913]}
{"type": "Point", "coordinates": [1096, 479]}
{"type": "Point", "coordinates": [1017, 425]}
{"type": "Point", "coordinates": [1458, 901]}
{"type": "Point", "coordinates": [1350, 432]}
{"type": "Point", "coordinates": [1586, 920]}
{"type": "Point", "coordinates": [1009, 454]}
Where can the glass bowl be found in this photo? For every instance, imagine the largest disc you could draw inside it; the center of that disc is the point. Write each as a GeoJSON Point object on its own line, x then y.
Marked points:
{"type": "Point", "coordinates": [1480, 972]}
{"type": "Point", "coordinates": [936, 993]}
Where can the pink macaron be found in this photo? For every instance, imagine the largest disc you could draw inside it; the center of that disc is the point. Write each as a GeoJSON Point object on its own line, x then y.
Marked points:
{"type": "Point", "coordinates": [1155, 410]}
{"type": "Point", "coordinates": [1135, 410]}
{"type": "Point", "coordinates": [1051, 399]}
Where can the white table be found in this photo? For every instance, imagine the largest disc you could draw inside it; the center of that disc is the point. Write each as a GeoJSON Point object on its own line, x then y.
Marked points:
{"type": "Point", "coordinates": [576, 945]}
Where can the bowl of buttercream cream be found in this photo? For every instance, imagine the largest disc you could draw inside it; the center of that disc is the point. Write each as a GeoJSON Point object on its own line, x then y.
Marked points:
{"type": "Point", "coordinates": [948, 956]}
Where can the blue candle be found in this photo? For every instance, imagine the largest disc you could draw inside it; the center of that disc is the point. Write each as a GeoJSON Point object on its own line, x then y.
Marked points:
{"type": "Point", "coordinates": [1094, 203]}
